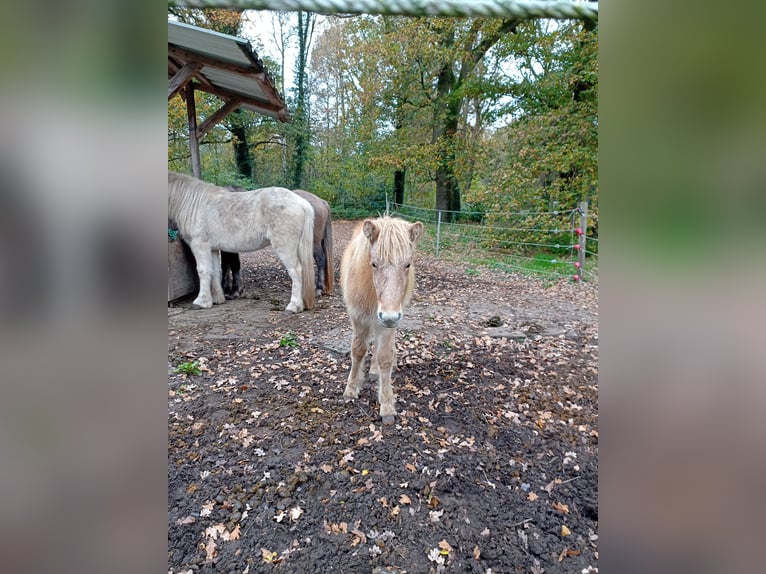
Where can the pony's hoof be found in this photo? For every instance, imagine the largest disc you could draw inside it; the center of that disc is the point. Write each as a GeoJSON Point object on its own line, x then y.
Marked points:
{"type": "Point", "coordinates": [201, 305]}
{"type": "Point", "coordinates": [388, 419]}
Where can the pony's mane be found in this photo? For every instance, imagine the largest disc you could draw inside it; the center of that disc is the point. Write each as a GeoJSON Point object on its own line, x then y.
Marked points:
{"type": "Point", "coordinates": [394, 242]}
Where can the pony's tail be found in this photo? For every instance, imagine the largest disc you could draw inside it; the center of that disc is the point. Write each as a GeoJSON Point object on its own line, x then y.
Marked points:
{"type": "Point", "coordinates": [329, 276]}
{"type": "Point", "coordinates": [306, 257]}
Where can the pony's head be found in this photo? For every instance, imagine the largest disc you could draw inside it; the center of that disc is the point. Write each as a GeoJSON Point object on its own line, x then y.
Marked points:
{"type": "Point", "coordinates": [392, 247]}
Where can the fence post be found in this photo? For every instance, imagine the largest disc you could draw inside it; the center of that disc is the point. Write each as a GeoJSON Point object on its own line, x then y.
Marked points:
{"type": "Point", "coordinates": [581, 238]}
{"type": "Point", "coordinates": [438, 232]}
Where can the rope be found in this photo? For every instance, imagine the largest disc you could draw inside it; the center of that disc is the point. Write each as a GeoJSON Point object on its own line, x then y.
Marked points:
{"type": "Point", "coordinates": [522, 9]}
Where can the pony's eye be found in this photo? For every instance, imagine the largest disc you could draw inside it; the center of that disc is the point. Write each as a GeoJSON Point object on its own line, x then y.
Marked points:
{"type": "Point", "coordinates": [407, 266]}
{"type": "Point", "coordinates": [374, 265]}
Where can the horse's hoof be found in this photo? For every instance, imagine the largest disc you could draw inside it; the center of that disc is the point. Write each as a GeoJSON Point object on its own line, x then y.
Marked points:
{"type": "Point", "coordinates": [388, 419]}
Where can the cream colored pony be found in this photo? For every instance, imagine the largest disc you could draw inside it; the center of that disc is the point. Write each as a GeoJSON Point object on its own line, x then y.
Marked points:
{"type": "Point", "coordinates": [211, 219]}
{"type": "Point", "coordinates": [377, 275]}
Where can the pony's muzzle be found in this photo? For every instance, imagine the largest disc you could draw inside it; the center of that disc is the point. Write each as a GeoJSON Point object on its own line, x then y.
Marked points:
{"type": "Point", "coordinates": [389, 319]}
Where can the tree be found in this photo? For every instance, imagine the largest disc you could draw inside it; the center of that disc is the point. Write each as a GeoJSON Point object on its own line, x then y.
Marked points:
{"type": "Point", "coordinates": [301, 131]}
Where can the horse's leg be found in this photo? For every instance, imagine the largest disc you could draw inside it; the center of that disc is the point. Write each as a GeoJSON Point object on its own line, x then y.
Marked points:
{"type": "Point", "coordinates": [235, 267]}
{"type": "Point", "coordinates": [204, 258]}
{"type": "Point", "coordinates": [289, 259]}
{"type": "Point", "coordinates": [359, 345]}
{"type": "Point", "coordinates": [385, 357]}
{"type": "Point", "coordinates": [225, 267]}
{"type": "Point", "coordinates": [319, 268]}
{"type": "Point", "coordinates": [215, 283]}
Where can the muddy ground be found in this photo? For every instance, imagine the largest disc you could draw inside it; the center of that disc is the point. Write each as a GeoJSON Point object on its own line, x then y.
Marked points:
{"type": "Point", "coordinates": [491, 466]}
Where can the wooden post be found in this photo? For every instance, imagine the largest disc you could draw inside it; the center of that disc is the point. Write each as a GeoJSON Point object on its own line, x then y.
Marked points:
{"type": "Point", "coordinates": [191, 114]}
{"type": "Point", "coordinates": [438, 232]}
{"type": "Point", "coordinates": [581, 238]}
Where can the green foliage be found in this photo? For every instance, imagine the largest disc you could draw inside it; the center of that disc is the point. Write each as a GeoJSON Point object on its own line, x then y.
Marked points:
{"type": "Point", "coordinates": [288, 340]}
{"type": "Point", "coordinates": [188, 368]}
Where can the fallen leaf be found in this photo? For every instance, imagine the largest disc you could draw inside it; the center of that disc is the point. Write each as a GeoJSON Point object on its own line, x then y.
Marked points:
{"type": "Point", "coordinates": [560, 507]}
{"type": "Point", "coordinates": [233, 535]}
{"type": "Point", "coordinates": [185, 520]}
{"type": "Point", "coordinates": [532, 496]}
{"type": "Point", "coordinates": [268, 555]}
{"type": "Point", "coordinates": [565, 531]}
{"type": "Point", "coordinates": [435, 516]}
{"type": "Point", "coordinates": [476, 552]}
{"type": "Point", "coordinates": [295, 513]}
{"type": "Point", "coordinates": [445, 546]}
{"type": "Point", "coordinates": [207, 508]}
{"type": "Point", "coordinates": [326, 468]}
{"type": "Point", "coordinates": [411, 467]}
{"type": "Point", "coordinates": [210, 550]}
{"type": "Point", "coordinates": [395, 511]}
{"type": "Point", "coordinates": [280, 517]}
{"type": "Point", "coordinates": [404, 499]}
{"type": "Point", "coordinates": [359, 537]}
{"type": "Point", "coordinates": [214, 531]}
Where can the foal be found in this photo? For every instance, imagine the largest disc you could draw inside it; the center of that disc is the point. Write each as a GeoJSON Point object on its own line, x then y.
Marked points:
{"type": "Point", "coordinates": [377, 275]}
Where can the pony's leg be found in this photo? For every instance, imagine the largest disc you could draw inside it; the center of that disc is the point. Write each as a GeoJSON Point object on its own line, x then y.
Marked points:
{"type": "Point", "coordinates": [359, 345]}
{"type": "Point", "coordinates": [375, 368]}
{"type": "Point", "coordinates": [215, 283]}
{"type": "Point", "coordinates": [293, 266]}
{"type": "Point", "coordinates": [225, 276]}
{"type": "Point", "coordinates": [204, 258]}
{"type": "Point", "coordinates": [319, 269]}
{"type": "Point", "coordinates": [235, 268]}
{"type": "Point", "coordinates": [385, 356]}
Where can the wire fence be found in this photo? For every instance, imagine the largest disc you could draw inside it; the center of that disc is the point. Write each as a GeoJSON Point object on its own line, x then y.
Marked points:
{"type": "Point", "coordinates": [553, 244]}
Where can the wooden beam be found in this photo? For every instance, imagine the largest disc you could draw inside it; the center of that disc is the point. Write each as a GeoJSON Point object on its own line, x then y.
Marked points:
{"type": "Point", "coordinates": [224, 111]}
{"type": "Point", "coordinates": [191, 114]}
{"type": "Point", "coordinates": [224, 95]}
{"type": "Point", "coordinates": [187, 56]}
{"type": "Point", "coordinates": [182, 76]}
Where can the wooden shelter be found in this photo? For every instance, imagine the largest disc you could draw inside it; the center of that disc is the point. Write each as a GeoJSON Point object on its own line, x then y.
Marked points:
{"type": "Point", "coordinates": [222, 65]}
{"type": "Point", "coordinates": [227, 67]}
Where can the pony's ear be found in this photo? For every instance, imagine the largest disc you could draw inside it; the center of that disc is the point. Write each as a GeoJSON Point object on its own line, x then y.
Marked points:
{"type": "Point", "coordinates": [371, 230]}
{"type": "Point", "coordinates": [416, 230]}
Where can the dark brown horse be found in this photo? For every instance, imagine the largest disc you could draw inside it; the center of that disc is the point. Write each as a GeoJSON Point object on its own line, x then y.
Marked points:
{"type": "Point", "coordinates": [324, 274]}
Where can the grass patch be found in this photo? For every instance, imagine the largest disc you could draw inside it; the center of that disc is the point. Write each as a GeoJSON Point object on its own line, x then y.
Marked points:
{"type": "Point", "coordinates": [188, 368]}
{"type": "Point", "coordinates": [288, 340]}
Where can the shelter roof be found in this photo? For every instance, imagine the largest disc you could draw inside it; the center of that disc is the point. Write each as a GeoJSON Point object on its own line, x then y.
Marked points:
{"type": "Point", "coordinates": [223, 65]}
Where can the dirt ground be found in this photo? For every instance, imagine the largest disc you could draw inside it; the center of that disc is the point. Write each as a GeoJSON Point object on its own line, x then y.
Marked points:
{"type": "Point", "coordinates": [491, 466]}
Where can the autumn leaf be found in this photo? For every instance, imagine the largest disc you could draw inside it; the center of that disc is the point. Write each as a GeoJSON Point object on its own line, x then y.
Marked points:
{"type": "Point", "coordinates": [326, 468]}
{"type": "Point", "coordinates": [532, 496]}
{"type": "Point", "coordinates": [445, 547]}
{"type": "Point", "coordinates": [207, 508]}
{"type": "Point", "coordinates": [565, 531]}
{"type": "Point", "coordinates": [185, 520]}
{"type": "Point", "coordinates": [295, 513]}
{"type": "Point", "coordinates": [233, 535]}
{"type": "Point", "coordinates": [395, 511]}
{"type": "Point", "coordinates": [560, 507]}
{"type": "Point", "coordinates": [476, 552]}
{"type": "Point", "coordinates": [268, 555]}
{"type": "Point", "coordinates": [359, 536]}
{"type": "Point", "coordinates": [410, 467]}
{"type": "Point", "coordinates": [210, 550]}
{"type": "Point", "coordinates": [435, 515]}
{"type": "Point", "coordinates": [404, 499]}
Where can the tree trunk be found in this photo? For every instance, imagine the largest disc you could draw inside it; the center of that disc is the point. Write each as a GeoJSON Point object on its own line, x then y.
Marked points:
{"type": "Point", "coordinates": [399, 186]}
{"type": "Point", "coordinates": [446, 118]}
{"type": "Point", "coordinates": [300, 120]}
{"type": "Point", "coordinates": [242, 157]}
